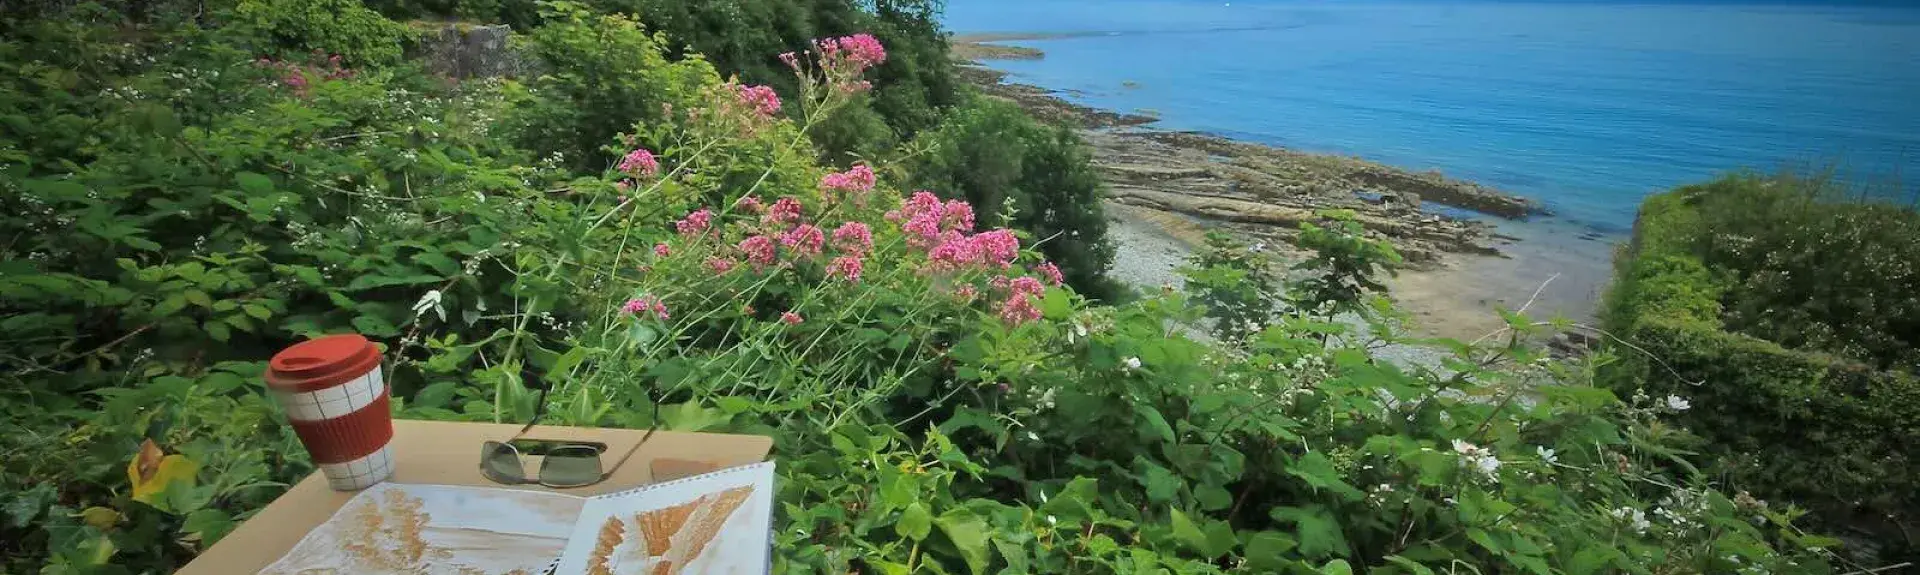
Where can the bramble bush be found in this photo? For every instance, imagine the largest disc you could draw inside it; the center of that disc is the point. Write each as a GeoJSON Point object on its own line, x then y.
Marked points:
{"type": "Point", "coordinates": [939, 398]}
{"type": "Point", "coordinates": [1715, 274]}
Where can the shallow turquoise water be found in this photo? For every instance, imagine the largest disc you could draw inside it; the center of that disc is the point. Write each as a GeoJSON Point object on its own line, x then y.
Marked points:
{"type": "Point", "coordinates": [1587, 107]}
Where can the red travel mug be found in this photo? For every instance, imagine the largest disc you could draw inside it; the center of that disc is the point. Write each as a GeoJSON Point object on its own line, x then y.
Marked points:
{"type": "Point", "coordinates": [336, 399]}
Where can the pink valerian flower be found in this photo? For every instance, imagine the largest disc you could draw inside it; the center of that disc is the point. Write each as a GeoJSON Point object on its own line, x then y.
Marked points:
{"type": "Point", "coordinates": [957, 251]}
{"type": "Point", "coordinates": [749, 203]}
{"type": "Point", "coordinates": [966, 292]}
{"type": "Point", "coordinates": [1002, 283]}
{"type": "Point", "coordinates": [922, 203]}
{"type": "Point", "coordinates": [695, 223]}
{"type": "Point", "coordinates": [958, 215]}
{"type": "Point", "coordinates": [1018, 309]}
{"type": "Point", "coordinates": [893, 216]}
{"type": "Point", "coordinates": [644, 304]}
{"type": "Point", "coordinates": [998, 247]}
{"type": "Point", "coordinates": [805, 239]}
{"type": "Point", "coordinates": [922, 231]}
{"type": "Point", "coordinates": [762, 99]}
{"type": "Point", "coordinates": [623, 185]}
{"type": "Point", "coordinates": [791, 318]}
{"type": "Point", "coordinates": [721, 265]}
{"type": "Point", "coordinates": [851, 54]}
{"type": "Point", "coordinates": [791, 60]}
{"type": "Point", "coordinates": [1025, 285]}
{"type": "Point", "coordinates": [858, 178]}
{"type": "Point", "coordinates": [759, 250]}
{"type": "Point", "coordinates": [661, 249]}
{"type": "Point", "coordinates": [786, 210]}
{"type": "Point", "coordinates": [845, 267]}
{"type": "Point", "coordinates": [853, 237]}
{"type": "Point", "coordinates": [640, 161]}
{"type": "Point", "coordinates": [1052, 272]}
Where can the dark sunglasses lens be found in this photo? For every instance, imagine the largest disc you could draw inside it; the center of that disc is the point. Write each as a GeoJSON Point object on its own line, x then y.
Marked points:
{"type": "Point", "coordinates": [570, 466]}
{"type": "Point", "coordinates": [500, 462]}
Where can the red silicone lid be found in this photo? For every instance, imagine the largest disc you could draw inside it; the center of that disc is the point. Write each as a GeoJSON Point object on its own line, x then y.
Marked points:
{"type": "Point", "coordinates": [322, 362]}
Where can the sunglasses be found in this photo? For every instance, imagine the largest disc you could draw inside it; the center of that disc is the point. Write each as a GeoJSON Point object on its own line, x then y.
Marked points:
{"type": "Point", "coordinates": [564, 465]}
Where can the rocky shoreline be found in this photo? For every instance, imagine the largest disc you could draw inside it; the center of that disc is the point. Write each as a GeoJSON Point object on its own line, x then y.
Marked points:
{"type": "Point", "coordinates": [1264, 191]}
{"type": "Point", "coordinates": [1166, 189]}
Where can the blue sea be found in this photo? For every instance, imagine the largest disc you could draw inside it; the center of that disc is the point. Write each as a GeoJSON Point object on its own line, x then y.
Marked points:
{"type": "Point", "coordinates": [1585, 106]}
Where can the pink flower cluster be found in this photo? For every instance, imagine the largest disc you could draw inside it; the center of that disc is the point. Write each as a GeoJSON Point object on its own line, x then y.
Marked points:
{"type": "Point", "coordinates": [640, 161]}
{"type": "Point", "coordinates": [927, 218]}
{"type": "Point", "coordinates": [956, 250]}
{"type": "Point", "coordinates": [785, 211]}
{"type": "Point", "coordinates": [790, 318]}
{"type": "Point", "coordinates": [662, 250]}
{"type": "Point", "coordinates": [1020, 307]}
{"type": "Point", "coordinates": [645, 303]}
{"type": "Point", "coordinates": [846, 267]}
{"type": "Point", "coordinates": [721, 265]}
{"type": "Point", "coordinates": [695, 223]}
{"type": "Point", "coordinates": [805, 239]}
{"type": "Point", "coordinates": [1052, 272]}
{"type": "Point", "coordinates": [762, 99]}
{"type": "Point", "coordinates": [857, 52]}
{"type": "Point", "coordinates": [859, 178]}
{"type": "Point", "coordinates": [759, 250]}
{"type": "Point", "coordinates": [853, 237]}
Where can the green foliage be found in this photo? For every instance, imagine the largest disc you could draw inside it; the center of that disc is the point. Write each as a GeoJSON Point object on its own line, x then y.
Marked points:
{"type": "Point", "coordinates": [289, 28]}
{"type": "Point", "coordinates": [1776, 239]}
{"type": "Point", "coordinates": [1235, 284]}
{"type": "Point", "coordinates": [603, 74]}
{"type": "Point", "coordinates": [1345, 265]}
{"type": "Point", "coordinates": [933, 414]}
{"type": "Point", "coordinates": [1794, 424]}
{"type": "Point", "coordinates": [1019, 173]}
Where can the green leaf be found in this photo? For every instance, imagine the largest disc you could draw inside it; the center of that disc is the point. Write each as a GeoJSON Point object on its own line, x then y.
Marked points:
{"type": "Point", "coordinates": [1319, 533]}
{"type": "Point", "coordinates": [258, 311]}
{"type": "Point", "coordinates": [377, 281]}
{"type": "Point", "coordinates": [23, 506]}
{"type": "Point", "coordinates": [915, 522]}
{"type": "Point", "coordinates": [1266, 551]}
{"type": "Point", "coordinates": [1590, 559]}
{"type": "Point", "coordinates": [1337, 567]}
{"type": "Point", "coordinates": [375, 326]}
{"type": "Point", "coordinates": [1152, 421]}
{"type": "Point", "coordinates": [1412, 567]}
{"type": "Point", "coordinates": [210, 524]}
{"type": "Point", "coordinates": [969, 535]}
{"type": "Point", "coordinates": [217, 330]}
{"type": "Point", "coordinates": [172, 305]}
{"type": "Point", "coordinates": [438, 262]}
{"type": "Point", "coordinates": [1485, 539]}
{"type": "Point", "coordinates": [1187, 533]}
{"type": "Point", "coordinates": [1318, 471]}
{"type": "Point", "coordinates": [1056, 304]}
{"type": "Point", "coordinates": [253, 183]}
{"type": "Point", "coordinates": [1162, 485]}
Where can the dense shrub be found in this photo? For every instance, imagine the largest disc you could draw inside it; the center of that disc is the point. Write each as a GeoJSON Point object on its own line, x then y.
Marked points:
{"type": "Point", "coordinates": [1777, 239]}
{"type": "Point", "coordinates": [1020, 173]}
{"type": "Point", "coordinates": [938, 400]}
{"type": "Point", "coordinates": [292, 28]}
{"type": "Point", "coordinates": [1802, 425]}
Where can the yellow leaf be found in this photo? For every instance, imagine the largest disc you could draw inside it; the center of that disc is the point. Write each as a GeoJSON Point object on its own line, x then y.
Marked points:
{"type": "Point", "coordinates": [152, 473]}
{"type": "Point", "coordinates": [100, 518]}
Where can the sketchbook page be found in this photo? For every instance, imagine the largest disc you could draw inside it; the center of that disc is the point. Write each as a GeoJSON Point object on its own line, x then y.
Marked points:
{"type": "Point", "coordinates": [720, 523]}
{"type": "Point", "coordinates": [437, 529]}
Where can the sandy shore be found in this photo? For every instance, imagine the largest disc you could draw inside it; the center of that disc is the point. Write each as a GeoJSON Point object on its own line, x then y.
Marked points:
{"type": "Point", "coordinates": [1166, 189]}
